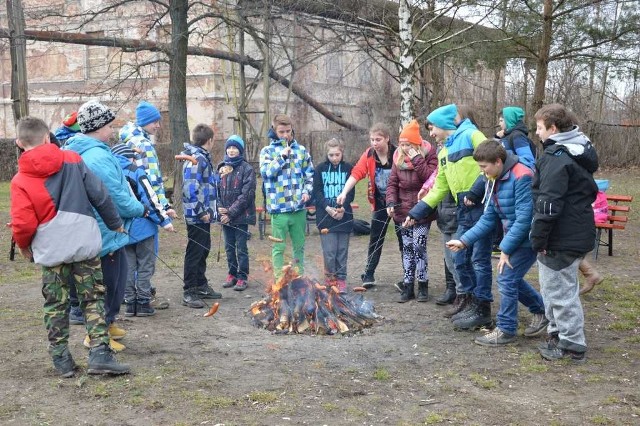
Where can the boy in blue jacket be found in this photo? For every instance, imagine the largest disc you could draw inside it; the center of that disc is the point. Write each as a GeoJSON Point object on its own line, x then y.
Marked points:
{"type": "Point", "coordinates": [140, 251]}
{"type": "Point", "coordinates": [199, 200]}
{"type": "Point", "coordinates": [510, 203]}
{"type": "Point", "coordinates": [95, 121]}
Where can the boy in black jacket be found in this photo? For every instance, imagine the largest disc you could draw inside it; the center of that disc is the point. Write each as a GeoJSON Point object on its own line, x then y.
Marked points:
{"type": "Point", "coordinates": [563, 228]}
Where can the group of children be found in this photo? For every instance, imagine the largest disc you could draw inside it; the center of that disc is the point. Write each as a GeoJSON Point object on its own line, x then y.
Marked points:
{"type": "Point", "coordinates": [544, 210]}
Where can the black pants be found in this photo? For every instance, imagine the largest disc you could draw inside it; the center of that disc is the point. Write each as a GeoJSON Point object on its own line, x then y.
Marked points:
{"type": "Point", "coordinates": [195, 256]}
{"type": "Point", "coordinates": [379, 224]}
{"type": "Point", "coordinates": [114, 273]}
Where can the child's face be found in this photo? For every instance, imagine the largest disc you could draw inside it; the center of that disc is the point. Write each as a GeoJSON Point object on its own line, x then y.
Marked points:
{"type": "Point", "coordinates": [334, 155]}
{"type": "Point", "coordinates": [542, 131]}
{"type": "Point", "coordinates": [491, 170]}
{"type": "Point", "coordinates": [233, 151]}
{"type": "Point", "coordinates": [502, 124]}
{"type": "Point", "coordinates": [105, 133]}
{"type": "Point", "coordinates": [152, 128]}
{"type": "Point", "coordinates": [378, 141]}
{"type": "Point", "coordinates": [438, 134]}
{"type": "Point", "coordinates": [284, 132]}
{"type": "Point", "coordinates": [406, 147]}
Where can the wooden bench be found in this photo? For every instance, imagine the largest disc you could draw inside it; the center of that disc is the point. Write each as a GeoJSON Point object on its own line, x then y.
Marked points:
{"type": "Point", "coordinates": [616, 219]}
{"type": "Point", "coordinates": [263, 219]}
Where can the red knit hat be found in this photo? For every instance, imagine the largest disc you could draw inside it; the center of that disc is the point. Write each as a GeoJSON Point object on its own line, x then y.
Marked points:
{"type": "Point", "coordinates": [411, 133]}
{"type": "Point", "coordinates": [71, 121]}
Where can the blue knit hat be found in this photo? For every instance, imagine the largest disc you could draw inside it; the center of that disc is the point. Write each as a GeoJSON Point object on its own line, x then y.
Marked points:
{"type": "Point", "coordinates": [235, 140]}
{"type": "Point", "coordinates": [444, 117]}
{"type": "Point", "coordinates": [146, 114]}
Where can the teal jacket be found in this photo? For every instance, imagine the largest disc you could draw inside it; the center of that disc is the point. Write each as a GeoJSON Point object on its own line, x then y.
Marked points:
{"type": "Point", "coordinates": [99, 159]}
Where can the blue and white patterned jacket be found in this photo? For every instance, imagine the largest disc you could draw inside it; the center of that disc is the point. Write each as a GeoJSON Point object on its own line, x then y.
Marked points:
{"type": "Point", "coordinates": [285, 181]}
{"type": "Point", "coordinates": [199, 188]}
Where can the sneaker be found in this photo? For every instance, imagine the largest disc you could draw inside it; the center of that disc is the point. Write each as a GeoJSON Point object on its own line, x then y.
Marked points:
{"type": "Point", "coordinates": [76, 317]}
{"type": "Point", "coordinates": [64, 363]}
{"type": "Point", "coordinates": [115, 332]}
{"type": "Point", "coordinates": [159, 302]}
{"type": "Point", "coordinates": [241, 285]}
{"type": "Point", "coordinates": [229, 282]}
{"type": "Point", "coordinates": [556, 354]}
{"type": "Point", "coordinates": [102, 361]}
{"type": "Point", "coordinates": [342, 286]}
{"type": "Point", "coordinates": [537, 326]}
{"type": "Point", "coordinates": [551, 341]}
{"type": "Point", "coordinates": [144, 310]}
{"type": "Point", "coordinates": [117, 347]}
{"type": "Point", "coordinates": [130, 310]}
{"type": "Point", "coordinates": [495, 338]}
{"type": "Point", "coordinates": [368, 281]}
{"type": "Point", "coordinates": [206, 292]}
{"type": "Point", "coordinates": [191, 300]}
{"type": "Point", "coordinates": [399, 286]}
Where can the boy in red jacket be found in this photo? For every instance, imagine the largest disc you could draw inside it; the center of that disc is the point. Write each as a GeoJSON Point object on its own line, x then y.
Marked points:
{"type": "Point", "coordinates": [52, 221]}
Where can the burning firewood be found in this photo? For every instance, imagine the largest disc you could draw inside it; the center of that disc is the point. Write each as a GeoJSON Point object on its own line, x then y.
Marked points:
{"type": "Point", "coordinates": [299, 305]}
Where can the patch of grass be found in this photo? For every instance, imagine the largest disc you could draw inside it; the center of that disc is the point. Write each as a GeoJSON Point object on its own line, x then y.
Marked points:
{"type": "Point", "coordinates": [381, 374]}
{"type": "Point", "coordinates": [624, 303]}
{"type": "Point", "coordinates": [329, 406]}
{"type": "Point", "coordinates": [355, 412]}
{"type": "Point", "coordinates": [531, 362]}
{"type": "Point", "coordinates": [101, 390]}
{"type": "Point", "coordinates": [433, 418]}
{"type": "Point", "coordinates": [208, 402]}
{"type": "Point", "coordinates": [611, 400]}
{"type": "Point", "coordinates": [633, 339]}
{"type": "Point", "coordinates": [7, 411]}
{"type": "Point", "coordinates": [594, 378]}
{"type": "Point", "coordinates": [600, 420]}
{"type": "Point", "coordinates": [483, 381]}
{"type": "Point", "coordinates": [263, 397]}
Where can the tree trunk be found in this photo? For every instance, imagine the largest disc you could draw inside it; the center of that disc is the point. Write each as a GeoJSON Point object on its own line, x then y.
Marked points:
{"type": "Point", "coordinates": [406, 63]}
{"type": "Point", "coordinates": [178, 125]}
{"type": "Point", "coordinates": [542, 66]}
{"type": "Point", "coordinates": [18, 48]}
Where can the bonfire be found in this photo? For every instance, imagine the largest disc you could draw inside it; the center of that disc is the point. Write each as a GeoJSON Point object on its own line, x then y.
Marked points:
{"type": "Point", "coordinates": [296, 304]}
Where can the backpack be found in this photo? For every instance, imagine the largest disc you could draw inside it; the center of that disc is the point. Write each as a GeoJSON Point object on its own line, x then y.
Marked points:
{"type": "Point", "coordinates": [532, 146]}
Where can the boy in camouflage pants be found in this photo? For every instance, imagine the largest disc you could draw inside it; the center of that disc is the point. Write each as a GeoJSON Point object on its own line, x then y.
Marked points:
{"type": "Point", "coordinates": [52, 220]}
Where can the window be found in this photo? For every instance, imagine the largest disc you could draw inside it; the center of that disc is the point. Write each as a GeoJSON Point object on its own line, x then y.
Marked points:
{"type": "Point", "coordinates": [334, 69]}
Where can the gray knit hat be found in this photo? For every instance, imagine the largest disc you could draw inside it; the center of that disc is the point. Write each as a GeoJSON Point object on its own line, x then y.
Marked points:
{"type": "Point", "coordinates": [93, 115]}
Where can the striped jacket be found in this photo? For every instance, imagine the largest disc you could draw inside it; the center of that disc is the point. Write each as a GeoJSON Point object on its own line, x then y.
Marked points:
{"type": "Point", "coordinates": [285, 181]}
{"type": "Point", "coordinates": [146, 157]}
{"type": "Point", "coordinates": [199, 186]}
{"type": "Point", "coordinates": [52, 200]}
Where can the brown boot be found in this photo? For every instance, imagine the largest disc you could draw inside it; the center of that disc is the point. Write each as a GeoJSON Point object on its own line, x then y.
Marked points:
{"type": "Point", "coordinates": [591, 276]}
{"type": "Point", "coordinates": [461, 301]}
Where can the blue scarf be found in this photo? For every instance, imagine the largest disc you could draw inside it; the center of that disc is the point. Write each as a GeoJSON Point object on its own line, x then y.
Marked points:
{"type": "Point", "coordinates": [233, 162]}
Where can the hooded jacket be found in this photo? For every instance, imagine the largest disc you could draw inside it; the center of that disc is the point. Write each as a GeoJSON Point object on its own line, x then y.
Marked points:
{"type": "Point", "coordinates": [516, 136]}
{"type": "Point", "coordinates": [99, 159]}
{"type": "Point", "coordinates": [237, 193]}
{"type": "Point", "coordinates": [143, 227]}
{"type": "Point", "coordinates": [285, 181]}
{"type": "Point", "coordinates": [146, 157]}
{"type": "Point", "coordinates": [509, 201]}
{"type": "Point", "coordinates": [366, 167]}
{"type": "Point", "coordinates": [199, 186]}
{"type": "Point", "coordinates": [404, 185]}
{"type": "Point", "coordinates": [53, 197]}
{"type": "Point", "coordinates": [328, 182]}
{"type": "Point", "coordinates": [457, 170]}
{"type": "Point", "coordinates": [563, 191]}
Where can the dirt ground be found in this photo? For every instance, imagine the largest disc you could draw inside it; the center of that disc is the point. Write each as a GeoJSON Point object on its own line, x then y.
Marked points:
{"type": "Point", "coordinates": [411, 368]}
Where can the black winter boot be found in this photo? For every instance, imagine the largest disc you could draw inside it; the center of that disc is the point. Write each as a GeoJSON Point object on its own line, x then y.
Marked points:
{"type": "Point", "coordinates": [449, 294]}
{"type": "Point", "coordinates": [407, 292]}
{"type": "Point", "coordinates": [468, 311]}
{"type": "Point", "coordinates": [480, 317]}
{"type": "Point", "coordinates": [102, 361]}
{"type": "Point", "coordinates": [460, 303]}
{"type": "Point", "coordinates": [63, 363]}
{"type": "Point", "coordinates": [423, 291]}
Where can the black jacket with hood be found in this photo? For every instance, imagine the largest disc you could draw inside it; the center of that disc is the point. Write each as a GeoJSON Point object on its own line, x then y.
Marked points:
{"type": "Point", "coordinates": [563, 190]}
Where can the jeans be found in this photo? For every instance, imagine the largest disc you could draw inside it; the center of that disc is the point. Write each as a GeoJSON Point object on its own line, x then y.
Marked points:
{"type": "Point", "coordinates": [335, 250]}
{"type": "Point", "coordinates": [473, 264]}
{"type": "Point", "coordinates": [114, 272]}
{"type": "Point", "coordinates": [448, 260]}
{"type": "Point", "coordinates": [235, 246]}
{"type": "Point", "coordinates": [294, 224]}
{"type": "Point", "coordinates": [141, 258]}
{"type": "Point", "coordinates": [513, 289]}
{"type": "Point", "coordinates": [379, 223]}
{"type": "Point", "coordinates": [195, 256]}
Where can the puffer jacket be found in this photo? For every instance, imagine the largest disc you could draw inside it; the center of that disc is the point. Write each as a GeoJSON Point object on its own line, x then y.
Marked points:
{"type": "Point", "coordinates": [404, 185]}
{"type": "Point", "coordinates": [563, 191]}
{"type": "Point", "coordinates": [199, 186]}
{"type": "Point", "coordinates": [99, 159]}
{"type": "Point", "coordinates": [509, 201]}
{"type": "Point", "coordinates": [53, 197]}
{"type": "Point", "coordinates": [237, 193]}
